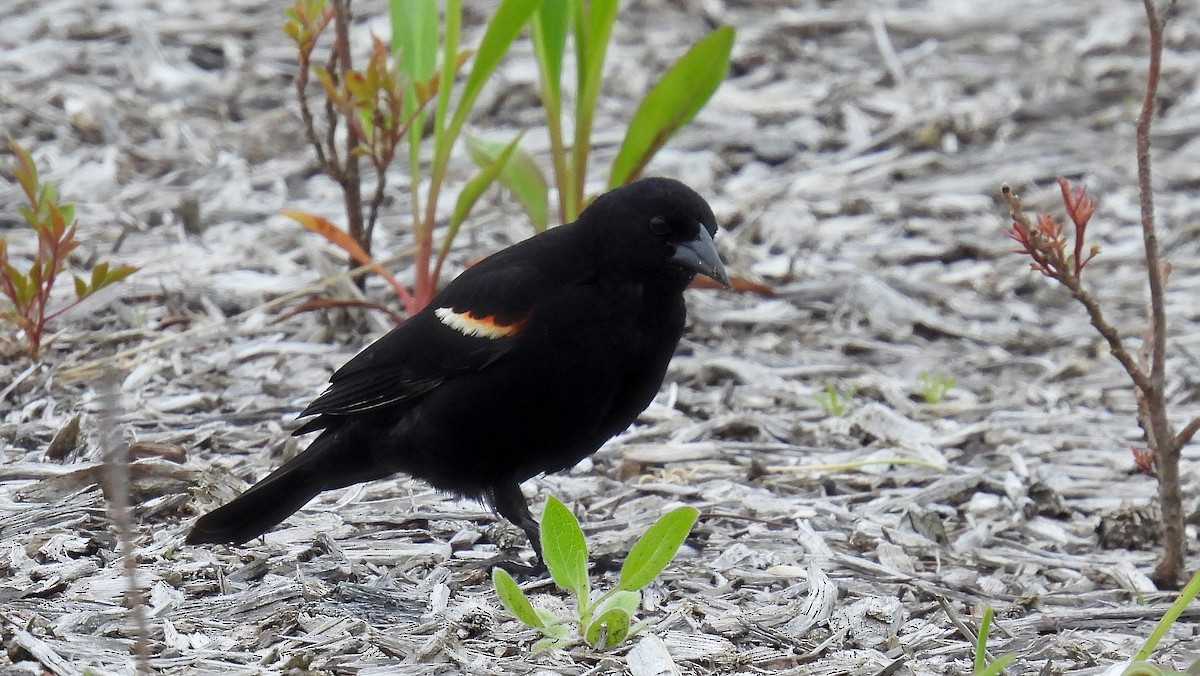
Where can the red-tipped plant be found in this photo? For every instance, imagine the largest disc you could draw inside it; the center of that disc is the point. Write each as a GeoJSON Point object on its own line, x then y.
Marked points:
{"type": "Point", "coordinates": [1043, 242]}
{"type": "Point", "coordinates": [54, 224]}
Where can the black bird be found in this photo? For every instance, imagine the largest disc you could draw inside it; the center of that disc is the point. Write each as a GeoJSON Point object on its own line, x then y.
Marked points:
{"type": "Point", "coordinates": [526, 363]}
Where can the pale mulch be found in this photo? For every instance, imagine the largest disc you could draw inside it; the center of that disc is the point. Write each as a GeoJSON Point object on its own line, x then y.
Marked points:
{"type": "Point", "coordinates": [855, 154]}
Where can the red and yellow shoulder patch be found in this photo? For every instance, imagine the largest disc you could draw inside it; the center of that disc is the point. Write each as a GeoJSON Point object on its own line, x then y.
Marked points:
{"type": "Point", "coordinates": [478, 326]}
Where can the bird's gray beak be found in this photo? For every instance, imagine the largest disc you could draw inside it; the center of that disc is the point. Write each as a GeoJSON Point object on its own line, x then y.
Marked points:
{"type": "Point", "coordinates": [700, 255]}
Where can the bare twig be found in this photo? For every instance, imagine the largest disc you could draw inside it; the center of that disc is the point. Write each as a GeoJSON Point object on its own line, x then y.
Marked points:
{"type": "Point", "coordinates": [117, 491]}
{"type": "Point", "coordinates": [1166, 573]}
{"type": "Point", "coordinates": [350, 182]}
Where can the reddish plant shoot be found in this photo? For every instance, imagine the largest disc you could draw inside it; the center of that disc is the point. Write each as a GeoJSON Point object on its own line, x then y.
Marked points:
{"type": "Point", "coordinates": [1043, 241]}
{"type": "Point", "coordinates": [54, 224]}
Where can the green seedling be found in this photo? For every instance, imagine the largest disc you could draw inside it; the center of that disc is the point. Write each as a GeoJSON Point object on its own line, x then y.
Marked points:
{"type": "Point", "coordinates": [832, 401]}
{"type": "Point", "coordinates": [935, 388]}
{"type": "Point", "coordinates": [601, 620]}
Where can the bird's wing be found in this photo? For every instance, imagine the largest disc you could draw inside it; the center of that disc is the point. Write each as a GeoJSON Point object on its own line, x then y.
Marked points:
{"type": "Point", "coordinates": [471, 324]}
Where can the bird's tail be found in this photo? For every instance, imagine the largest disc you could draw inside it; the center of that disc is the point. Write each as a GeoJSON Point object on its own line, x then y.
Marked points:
{"type": "Point", "coordinates": [319, 468]}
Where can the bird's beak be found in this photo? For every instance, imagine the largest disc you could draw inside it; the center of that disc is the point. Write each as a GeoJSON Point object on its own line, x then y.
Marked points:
{"type": "Point", "coordinates": [700, 255]}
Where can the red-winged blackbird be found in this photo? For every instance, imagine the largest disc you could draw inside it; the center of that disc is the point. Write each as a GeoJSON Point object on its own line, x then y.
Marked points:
{"type": "Point", "coordinates": [526, 363]}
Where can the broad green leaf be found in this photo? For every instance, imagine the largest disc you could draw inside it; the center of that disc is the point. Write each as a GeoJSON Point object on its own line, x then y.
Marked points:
{"type": "Point", "coordinates": [672, 103]}
{"type": "Point", "coordinates": [506, 23]}
{"type": "Point", "coordinates": [514, 599]}
{"type": "Point", "coordinates": [415, 36]}
{"type": "Point", "coordinates": [625, 600]}
{"type": "Point", "coordinates": [81, 287]}
{"type": "Point", "coordinates": [564, 548]}
{"type": "Point", "coordinates": [521, 175]}
{"type": "Point", "coordinates": [68, 212]}
{"type": "Point", "coordinates": [609, 629]}
{"type": "Point", "coordinates": [655, 549]}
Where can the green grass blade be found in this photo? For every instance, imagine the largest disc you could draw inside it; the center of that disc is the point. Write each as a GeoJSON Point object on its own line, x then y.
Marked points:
{"type": "Point", "coordinates": [1160, 629]}
{"type": "Point", "coordinates": [415, 36]}
{"type": "Point", "coordinates": [996, 668]}
{"type": "Point", "coordinates": [564, 549]}
{"type": "Point", "coordinates": [508, 20]}
{"type": "Point", "coordinates": [981, 639]}
{"type": "Point", "coordinates": [672, 103]}
{"type": "Point", "coordinates": [593, 23]}
{"type": "Point", "coordinates": [655, 549]}
{"type": "Point", "coordinates": [521, 175]}
{"type": "Point", "coordinates": [470, 194]}
{"type": "Point", "coordinates": [514, 599]}
{"type": "Point", "coordinates": [549, 28]}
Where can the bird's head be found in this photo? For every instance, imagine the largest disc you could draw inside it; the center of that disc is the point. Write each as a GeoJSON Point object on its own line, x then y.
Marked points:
{"type": "Point", "coordinates": [658, 225]}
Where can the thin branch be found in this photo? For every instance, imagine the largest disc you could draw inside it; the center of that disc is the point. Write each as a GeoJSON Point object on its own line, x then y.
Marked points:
{"type": "Point", "coordinates": [1185, 435]}
{"type": "Point", "coordinates": [117, 491]}
{"type": "Point", "coordinates": [1146, 199]}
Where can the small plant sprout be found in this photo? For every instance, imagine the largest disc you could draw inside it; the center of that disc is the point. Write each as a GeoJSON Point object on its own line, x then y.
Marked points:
{"type": "Point", "coordinates": [54, 224]}
{"type": "Point", "coordinates": [601, 620]}
{"type": "Point", "coordinates": [832, 401]}
{"type": "Point", "coordinates": [934, 388]}
{"type": "Point", "coordinates": [982, 666]}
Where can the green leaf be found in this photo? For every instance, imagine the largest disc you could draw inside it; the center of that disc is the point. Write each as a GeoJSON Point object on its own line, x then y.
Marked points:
{"type": "Point", "coordinates": [564, 549]}
{"type": "Point", "coordinates": [415, 36]}
{"type": "Point", "coordinates": [625, 600]}
{"type": "Point", "coordinates": [521, 175]}
{"type": "Point", "coordinates": [672, 103]}
{"type": "Point", "coordinates": [655, 549]}
{"type": "Point", "coordinates": [510, 16]}
{"type": "Point", "coordinates": [593, 29]}
{"type": "Point", "coordinates": [514, 599]}
{"type": "Point", "coordinates": [25, 170]}
{"type": "Point", "coordinates": [470, 194]}
{"type": "Point", "coordinates": [81, 287]}
{"type": "Point", "coordinates": [119, 273]}
{"type": "Point", "coordinates": [549, 29]}
{"type": "Point", "coordinates": [996, 668]}
{"type": "Point", "coordinates": [68, 212]}
{"type": "Point", "coordinates": [20, 284]}
{"type": "Point", "coordinates": [98, 274]}
{"type": "Point", "coordinates": [609, 629]}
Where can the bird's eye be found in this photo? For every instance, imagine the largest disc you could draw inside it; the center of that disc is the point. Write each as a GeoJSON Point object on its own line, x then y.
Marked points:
{"type": "Point", "coordinates": [658, 225]}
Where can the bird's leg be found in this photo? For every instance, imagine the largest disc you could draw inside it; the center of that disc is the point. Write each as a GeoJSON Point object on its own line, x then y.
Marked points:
{"type": "Point", "coordinates": [509, 502]}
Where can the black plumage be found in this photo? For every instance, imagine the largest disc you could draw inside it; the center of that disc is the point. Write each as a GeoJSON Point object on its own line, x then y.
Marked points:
{"type": "Point", "coordinates": [526, 363]}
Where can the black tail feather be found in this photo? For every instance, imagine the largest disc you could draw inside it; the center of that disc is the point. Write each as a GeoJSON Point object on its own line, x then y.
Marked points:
{"type": "Point", "coordinates": [259, 509]}
{"type": "Point", "coordinates": [329, 462]}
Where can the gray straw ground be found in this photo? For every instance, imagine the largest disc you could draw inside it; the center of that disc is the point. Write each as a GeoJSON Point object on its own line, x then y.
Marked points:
{"type": "Point", "coordinates": [855, 157]}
